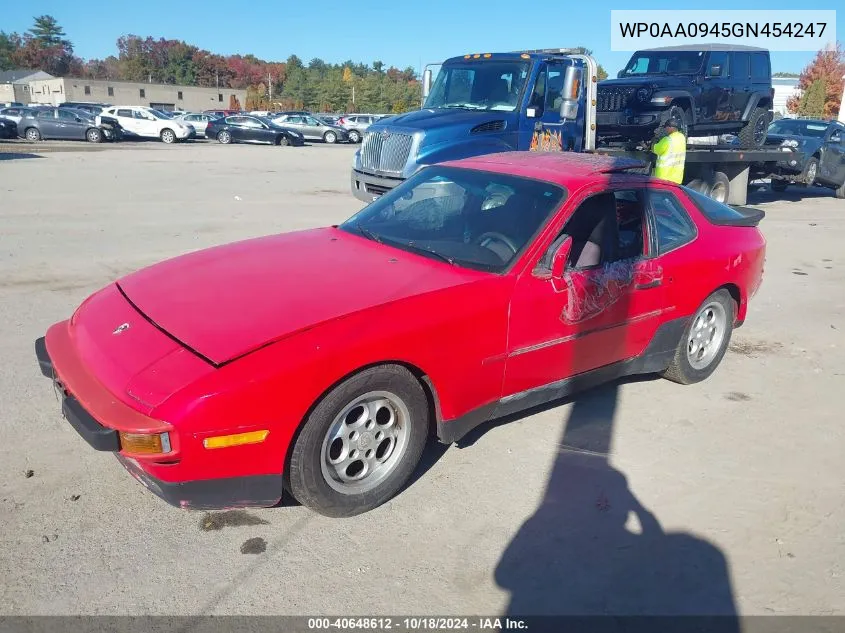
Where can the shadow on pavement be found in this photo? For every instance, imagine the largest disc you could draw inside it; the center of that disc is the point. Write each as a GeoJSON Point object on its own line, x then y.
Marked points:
{"type": "Point", "coordinates": [760, 193]}
{"type": "Point", "coordinates": [17, 155]}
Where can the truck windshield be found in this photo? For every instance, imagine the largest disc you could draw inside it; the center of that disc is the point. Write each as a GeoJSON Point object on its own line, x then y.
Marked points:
{"type": "Point", "coordinates": [473, 219]}
{"type": "Point", "coordinates": [664, 63]}
{"type": "Point", "coordinates": [483, 85]}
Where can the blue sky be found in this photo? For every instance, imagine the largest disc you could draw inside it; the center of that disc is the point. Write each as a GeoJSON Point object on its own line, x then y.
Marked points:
{"type": "Point", "coordinates": [399, 33]}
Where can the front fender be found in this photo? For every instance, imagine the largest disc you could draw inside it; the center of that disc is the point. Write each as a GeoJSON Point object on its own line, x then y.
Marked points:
{"type": "Point", "coordinates": [753, 102]}
{"type": "Point", "coordinates": [679, 94]}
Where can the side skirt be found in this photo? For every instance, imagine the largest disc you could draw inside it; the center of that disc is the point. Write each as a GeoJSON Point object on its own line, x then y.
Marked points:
{"type": "Point", "coordinates": [656, 358]}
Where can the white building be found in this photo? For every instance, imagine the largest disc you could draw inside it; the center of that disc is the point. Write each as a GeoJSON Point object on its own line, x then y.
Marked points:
{"type": "Point", "coordinates": [784, 87]}
{"type": "Point", "coordinates": [14, 84]}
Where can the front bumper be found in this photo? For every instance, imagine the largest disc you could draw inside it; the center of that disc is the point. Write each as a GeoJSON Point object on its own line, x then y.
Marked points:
{"type": "Point", "coordinates": [69, 379]}
{"type": "Point", "coordinates": [627, 122]}
{"type": "Point", "coordinates": [368, 187]}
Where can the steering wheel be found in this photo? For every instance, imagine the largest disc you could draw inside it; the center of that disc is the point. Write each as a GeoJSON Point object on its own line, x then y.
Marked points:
{"type": "Point", "coordinates": [493, 235]}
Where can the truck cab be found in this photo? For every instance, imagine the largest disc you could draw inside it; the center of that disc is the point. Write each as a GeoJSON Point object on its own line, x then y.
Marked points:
{"type": "Point", "coordinates": [483, 103]}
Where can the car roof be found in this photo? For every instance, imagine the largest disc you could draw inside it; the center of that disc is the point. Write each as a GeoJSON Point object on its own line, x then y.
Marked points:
{"type": "Point", "coordinates": [562, 168]}
{"type": "Point", "coordinates": [707, 47]}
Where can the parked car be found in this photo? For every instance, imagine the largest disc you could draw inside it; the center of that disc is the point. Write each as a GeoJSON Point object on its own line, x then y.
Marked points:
{"type": "Point", "coordinates": [10, 104]}
{"type": "Point", "coordinates": [818, 156]}
{"type": "Point", "coordinates": [328, 119]}
{"type": "Point", "coordinates": [474, 289]}
{"type": "Point", "coordinates": [8, 128]}
{"type": "Point", "coordinates": [356, 125]}
{"type": "Point", "coordinates": [16, 113]}
{"type": "Point", "coordinates": [220, 113]}
{"type": "Point", "coordinates": [197, 120]}
{"type": "Point", "coordinates": [59, 123]}
{"type": "Point", "coordinates": [711, 89]}
{"type": "Point", "coordinates": [87, 106]}
{"type": "Point", "coordinates": [149, 123]}
{"type": "Point", "coordinates": [251, 129]}
{"type": "Point", "coordinates": [312, 128]}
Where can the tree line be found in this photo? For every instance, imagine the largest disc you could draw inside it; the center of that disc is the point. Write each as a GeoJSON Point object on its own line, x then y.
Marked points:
{"type": "Point", "coordinates": [821, 85]}
{"type": "Point", "coordinates": [271, 85]}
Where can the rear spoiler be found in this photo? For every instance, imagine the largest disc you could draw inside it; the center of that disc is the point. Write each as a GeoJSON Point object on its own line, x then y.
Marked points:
{"type": "Point", "coordinates": [747, 216]}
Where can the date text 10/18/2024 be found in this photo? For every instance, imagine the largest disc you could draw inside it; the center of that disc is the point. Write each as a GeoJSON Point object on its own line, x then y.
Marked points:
{"type": "Point", "coordinates": [422, 623]}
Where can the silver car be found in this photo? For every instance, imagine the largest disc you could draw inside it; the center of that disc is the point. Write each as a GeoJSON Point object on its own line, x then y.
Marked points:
{"type": "Point", "coordinates": [197, 120]}
{"type": "Point", "coordinates": [312, 128]}
{"type": "Point", "coordinates": [16, 113]}
{"type": "Point", "coordinates": [357, 124]}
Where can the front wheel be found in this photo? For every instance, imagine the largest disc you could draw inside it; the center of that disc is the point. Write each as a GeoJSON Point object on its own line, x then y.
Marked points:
{"type": "Point", "coordinates": [753, 133]}
{"type": "Point", "coordinates": [32, 135]}
{"type": "Point", "coordinates": [94, 135]}
{"type": "Point", "coordinates": [361, 443]}
{"type": "Point", "coordinates": [168, 136]}
{"type": "Point", "coordinates": [811, 170]}
{"type": "Point", "coordinates": [283, 141]}
{"type": "Point", "coordinates": [705, 340]}
{"type": "Point", "coordinates": [330, 137]}
{"type": "Point", "coordinates": [354, 136]}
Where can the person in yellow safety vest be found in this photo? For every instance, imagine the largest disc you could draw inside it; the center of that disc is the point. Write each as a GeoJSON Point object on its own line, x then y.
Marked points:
{"type": "Point", "coordinates": [671, 153]}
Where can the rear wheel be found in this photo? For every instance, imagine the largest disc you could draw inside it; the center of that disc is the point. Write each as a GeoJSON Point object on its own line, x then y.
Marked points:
{"type": "Point", "coordinates": [705, 340]}
{"type": "Point", "coordinates": [32, 134]}
{"type": "Point", "coordinates": [361, 443]}
{"type": "Point", "coordinates": [753, 133]}
{"type": "Point", "coordinates": [700, 186]}
{"type": "Point", "coordinates": [94, 135]}
{"type": "Point", "coordinates": [283, 141]}
{"type": "Point", "coordinates": [168, 136]}
{"type": "Point", "coordinates": [720, 187]}
{"type": "Point", "coordinates": [354, 136]}
{"type": "Point", "coordinates": [224, 137]}
{"type": "Point", "coordinates": [330, 137]}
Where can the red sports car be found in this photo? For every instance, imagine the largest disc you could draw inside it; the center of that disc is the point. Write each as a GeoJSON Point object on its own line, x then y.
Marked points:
{"type": "Point", "coordinates": [320, 362]}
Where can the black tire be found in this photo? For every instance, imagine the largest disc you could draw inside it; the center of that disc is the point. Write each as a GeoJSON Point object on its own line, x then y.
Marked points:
{"type": "Point", "coordinates": [680, 370]}
{"type": "Point", "coordinates": [811, 171]}
{"type": "Point", "coordinates": [224, 137]}
{"type": "Point", "coordinates": [354, 136]}
{"type": "Point", "coordinates": [753, 133]}
{"type": "Point", "coordinates": [306, 479]}
{"type": "Point", "coordinates": [679, 113]}
{"type": "Point", "coordinates": [283, 141]}
{"type": "Point", "coordinates": [778, 186]}
{"type": "Point", "coordinates": [700, 186]}
{"type": "Point", "coordinates": [32, 134]}
{"type": "Point", "coordinates": [330, 137]}
{"type": "Point", "coordinates": [168, 136]}
{"type": "Point", "coordinates": [720, 187]}
{"type": "Point", "coordinates": [94, 135]}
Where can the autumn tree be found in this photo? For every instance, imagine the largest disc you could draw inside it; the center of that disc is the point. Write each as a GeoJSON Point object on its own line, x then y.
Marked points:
{"type": "Point", "coordinates": [827, 67]}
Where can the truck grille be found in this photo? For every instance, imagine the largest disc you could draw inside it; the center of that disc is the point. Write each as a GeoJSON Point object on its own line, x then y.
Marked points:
{"type": "Point", "coordinates": [385, 151]}
{"type": "Point", "coordinates": [614, 99]}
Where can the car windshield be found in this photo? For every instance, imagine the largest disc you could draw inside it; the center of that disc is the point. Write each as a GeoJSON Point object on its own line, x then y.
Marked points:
{"type": "Point", "coordinates": [485, 85]}
{"type": "Point", "coordinates": [161, 114]}
{"type": "Point", "coordinates": [664, 63]}
{"type": "Point", "coordinates": [796, 127]}
{"type": "Point", "coordinates": [474, 219]}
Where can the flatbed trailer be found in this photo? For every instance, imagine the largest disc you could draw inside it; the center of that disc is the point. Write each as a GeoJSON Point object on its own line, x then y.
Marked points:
{"type": "Point", "coordinates": [723, 173]}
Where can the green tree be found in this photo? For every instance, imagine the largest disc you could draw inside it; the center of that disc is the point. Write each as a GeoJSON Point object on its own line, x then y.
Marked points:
{"type": "Point", "coordinates": [813, 100]}
{"type": "Point", "coordinates": [9, 44]}
{"type": "Point", "coordinates": [47, 32]}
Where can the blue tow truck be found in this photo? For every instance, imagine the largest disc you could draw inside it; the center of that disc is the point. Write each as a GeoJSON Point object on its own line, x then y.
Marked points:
{"type": "Point", "coordinates": [536, 100]}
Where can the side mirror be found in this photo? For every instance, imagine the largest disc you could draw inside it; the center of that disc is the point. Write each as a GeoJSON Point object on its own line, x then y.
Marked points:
{"type": "Point", "coordinates": [620, 74]}
{"type": "Point", "coordinates": [570, 93]}
{"type": "Point", "coordinates": [79, 119]}
{"type": "Point", "coordinates": [426, 87]}
{"type": "Point", "coordinates": [560, 257]}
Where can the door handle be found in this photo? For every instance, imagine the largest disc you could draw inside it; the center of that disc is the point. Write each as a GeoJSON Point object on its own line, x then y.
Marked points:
{"type": "Point", "coordinates": [654, 283]}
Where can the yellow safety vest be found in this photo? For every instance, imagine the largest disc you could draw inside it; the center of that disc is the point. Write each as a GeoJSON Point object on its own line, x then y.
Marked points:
{"type": "Point", "coordinates": [671, 153]}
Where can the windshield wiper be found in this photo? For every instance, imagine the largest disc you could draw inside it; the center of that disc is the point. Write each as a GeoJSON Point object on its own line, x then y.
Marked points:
{"type": "Point", "coordinates": [465, 106]}
{"type": "Point", "coordinates": [423, 249]}
{"type": "Point", "coordinates": [368, 234]}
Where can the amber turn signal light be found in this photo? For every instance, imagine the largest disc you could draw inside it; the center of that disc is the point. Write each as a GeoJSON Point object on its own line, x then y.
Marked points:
{"type": "Point", "coordinates": [145, 443]}
{"type": "Point", "coordinates": [224, 441]}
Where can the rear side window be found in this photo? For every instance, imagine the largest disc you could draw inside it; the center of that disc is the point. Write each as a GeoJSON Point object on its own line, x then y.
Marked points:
{"type": "Point", "coordinates": [126, 113]}
{"type": "Point", "coordinates": [717, 66]}
{"type": "Point", "coordinates": [673, 227]}
{"type": "Point", "coordinates": [759, 66]}
{"type": "Point", "coordinates": [716, 212]}
{"type": "Point", "coordinates": [741, 67]}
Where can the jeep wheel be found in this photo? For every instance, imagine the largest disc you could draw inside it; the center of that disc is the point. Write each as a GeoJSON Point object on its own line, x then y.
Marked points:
{"type": "Point", "coordinates": [753, 133]}
{"type": "Point", "coordinates": [677, 112]}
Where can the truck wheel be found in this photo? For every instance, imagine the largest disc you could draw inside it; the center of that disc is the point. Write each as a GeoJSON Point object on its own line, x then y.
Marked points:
{"type": "Point", "coordinates": [778, 185]}
{"type": "Point", "coordinates": [361, 443]}
{"type": "Point", "coordinates": [705, 340]}
{"type": "Point", "coordinates": [720, 187]}
{"type": "Point", "coordinates": [753, 133]}
{"type": "Point", "coordinates": [700, 186]}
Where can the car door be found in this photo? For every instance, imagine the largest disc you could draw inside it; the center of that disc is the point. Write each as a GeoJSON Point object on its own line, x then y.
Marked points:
{"type": "Point", "coordinates": [597, 312]}
{"type": "Point", "coordinates": [254, 130]}
{"type": "Point", "coordinates": [832, 166]}
{"type": "Point", "coordinates": [146, 123]}
{"type": "Point", "coordinates": [541, 126]}
{"type": "Point", "coordinates": [236, 128]}
{"type": "Point", "coordinates": [126, 119]}
{"type": "Point", "coordinates": [71, 125]}
{"type": "Point", "coordinates": [716, 90]}
{"type": "Point", "coordinates": [740, 82]}
{"type": "Point", "coordinates": [297, 123]}
{"type": "Point", "coordinates": [48, 123]}
{"type": "Point", "coordinates": [313, 127]}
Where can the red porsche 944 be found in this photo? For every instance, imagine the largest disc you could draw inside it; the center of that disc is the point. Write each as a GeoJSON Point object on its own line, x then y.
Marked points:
{"type": "Point", "coordinates": [320, 362]}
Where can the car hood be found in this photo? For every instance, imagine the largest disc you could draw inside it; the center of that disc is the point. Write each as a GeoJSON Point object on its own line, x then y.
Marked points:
{"type": "Point", "coordinates": [227, 301]}
{"type": "Point", "coordinates": [438, 118]}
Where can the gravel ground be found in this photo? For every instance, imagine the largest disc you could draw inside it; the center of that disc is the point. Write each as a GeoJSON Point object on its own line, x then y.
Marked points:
{"type": "Point", "coordinates": [725, 496]}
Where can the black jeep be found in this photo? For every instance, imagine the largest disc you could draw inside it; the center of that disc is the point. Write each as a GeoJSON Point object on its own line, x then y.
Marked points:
{"type": "Point", "coordinates": [713, 89]}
